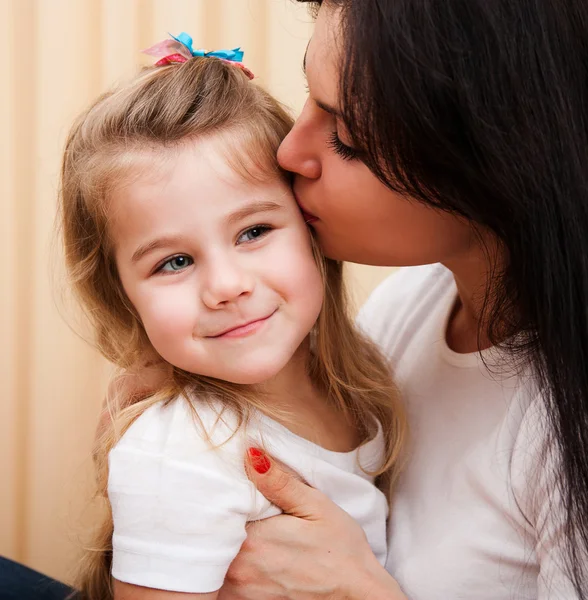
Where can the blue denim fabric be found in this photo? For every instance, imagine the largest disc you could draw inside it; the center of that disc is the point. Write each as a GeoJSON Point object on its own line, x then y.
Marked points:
{"type": "Point", "coordinates": [18, 582]}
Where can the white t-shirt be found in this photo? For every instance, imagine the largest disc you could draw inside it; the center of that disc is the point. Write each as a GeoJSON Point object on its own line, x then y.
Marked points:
{"type": "Point", "coordinates": [180, 505]}
{"type": "Point", "coordinates": [475, 515]}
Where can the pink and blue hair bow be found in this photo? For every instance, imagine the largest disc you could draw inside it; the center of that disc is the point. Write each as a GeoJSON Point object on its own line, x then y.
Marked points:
{"type": "Point", "coordinates": [179, 50]}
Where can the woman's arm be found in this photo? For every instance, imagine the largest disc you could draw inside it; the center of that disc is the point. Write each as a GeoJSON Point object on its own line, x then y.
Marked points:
{"type": "Point", "coordinates": [127, 591]}
{"type": "Point", "coordinates": [315, 550]}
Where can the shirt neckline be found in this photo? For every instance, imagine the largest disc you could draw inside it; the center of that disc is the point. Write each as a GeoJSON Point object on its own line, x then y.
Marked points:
{"type": "Point", "coordinates": [367, 456]}
{"type": "Point", "coordinates": [462, 360]}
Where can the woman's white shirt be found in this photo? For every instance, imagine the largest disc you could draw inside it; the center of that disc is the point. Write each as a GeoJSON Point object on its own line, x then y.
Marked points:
{"type": "Point", "coordinates": [476, 514]}
{"type": "Point", "coordinates": [180, 502]}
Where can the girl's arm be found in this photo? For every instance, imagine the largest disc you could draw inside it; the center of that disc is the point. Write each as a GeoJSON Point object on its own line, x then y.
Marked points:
{"type": "Point", "coordinates": [127, 591]}
{"type": "Point", "coordinates": [179, 508]}
{"type": "Point", "coordinates": [315, 550]}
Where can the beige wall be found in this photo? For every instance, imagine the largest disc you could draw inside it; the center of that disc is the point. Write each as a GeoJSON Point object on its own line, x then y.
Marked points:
{"type": "Point", "coordinates": [56, 56]}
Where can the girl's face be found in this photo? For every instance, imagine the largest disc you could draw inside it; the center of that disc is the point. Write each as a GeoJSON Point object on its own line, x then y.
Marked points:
{"type": "Point", "coordinates": [355, 216]}
{"type": "Point", "coordinates": [220, 270]}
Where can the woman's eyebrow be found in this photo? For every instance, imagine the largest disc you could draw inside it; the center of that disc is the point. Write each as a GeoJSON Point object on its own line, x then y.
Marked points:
{"type": "Point", "coordinates": [328, 109]}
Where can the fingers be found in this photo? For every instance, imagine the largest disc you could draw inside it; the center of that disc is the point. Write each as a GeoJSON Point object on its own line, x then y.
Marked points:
{"type": "Point", "coordinates": [282, 488]}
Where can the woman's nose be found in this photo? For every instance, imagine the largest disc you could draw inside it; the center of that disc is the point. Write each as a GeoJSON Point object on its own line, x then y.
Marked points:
{"type": "Point", "coordinates": [299, 152]}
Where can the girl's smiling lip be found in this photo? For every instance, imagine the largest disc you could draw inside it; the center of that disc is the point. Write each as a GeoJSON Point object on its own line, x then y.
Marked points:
{"type": "Point", "coordinates": [244, 329]}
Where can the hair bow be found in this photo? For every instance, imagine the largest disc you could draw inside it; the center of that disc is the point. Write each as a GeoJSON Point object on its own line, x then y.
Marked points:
{"type": "Point", "coordinates": [179, 49]}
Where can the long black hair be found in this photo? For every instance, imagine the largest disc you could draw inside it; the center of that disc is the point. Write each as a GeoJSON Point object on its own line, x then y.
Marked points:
{"type": "Point", "coordinates": [480, 108]}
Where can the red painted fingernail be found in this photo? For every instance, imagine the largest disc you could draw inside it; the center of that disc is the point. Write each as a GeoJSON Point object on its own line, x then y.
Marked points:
{"type": "Point", "coordinates": [259, 461]}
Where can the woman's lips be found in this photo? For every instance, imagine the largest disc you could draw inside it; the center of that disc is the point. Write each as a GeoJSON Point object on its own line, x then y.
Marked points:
{"type": "Point", "coordinates": [308, 217]}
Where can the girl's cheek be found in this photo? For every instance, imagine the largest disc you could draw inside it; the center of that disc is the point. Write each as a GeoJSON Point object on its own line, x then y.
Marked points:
{"type": "Point", "coordinates": [169, 309]}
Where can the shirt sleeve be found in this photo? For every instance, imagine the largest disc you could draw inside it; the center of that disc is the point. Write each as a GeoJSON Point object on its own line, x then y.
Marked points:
{"type": "Point", "coordinates": [179, 505]}
{"type": "Point", "coordinates": [534, 471]}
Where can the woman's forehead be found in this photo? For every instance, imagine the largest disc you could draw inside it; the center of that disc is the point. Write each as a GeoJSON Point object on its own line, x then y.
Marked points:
{"type": "Point", "coordinates": [322, 58]}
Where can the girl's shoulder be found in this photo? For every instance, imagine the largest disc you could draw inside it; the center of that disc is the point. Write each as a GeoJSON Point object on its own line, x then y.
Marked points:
{"type": "Point", "coordinates": [186, 430]}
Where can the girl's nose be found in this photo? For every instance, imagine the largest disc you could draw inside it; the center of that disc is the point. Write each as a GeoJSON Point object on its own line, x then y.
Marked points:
{"type": "Point", "coordinates": [226, 282]}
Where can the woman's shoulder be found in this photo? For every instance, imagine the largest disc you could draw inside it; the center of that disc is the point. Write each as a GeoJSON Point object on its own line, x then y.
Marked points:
{"type": "Point", "coordinates": [409, 293]}
{"type": "Point", "coordinates": [535, 478]}
{"type": "Point", "coordinates": [534, 455]}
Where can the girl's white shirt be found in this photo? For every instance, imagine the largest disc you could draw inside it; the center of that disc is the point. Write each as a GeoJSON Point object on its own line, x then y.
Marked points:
{"type": "Point", "coordinates": [180, 502]}
{"type": "Point", "coordinates": [476, 514]}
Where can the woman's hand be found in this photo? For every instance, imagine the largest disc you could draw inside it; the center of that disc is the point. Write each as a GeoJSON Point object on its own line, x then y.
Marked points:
{"type": "Point", "coordinates": [315, 550]}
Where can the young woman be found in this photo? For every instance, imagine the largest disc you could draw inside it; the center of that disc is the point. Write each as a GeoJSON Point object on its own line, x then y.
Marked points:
{"type": "Point", "coordinates": [452, 132]}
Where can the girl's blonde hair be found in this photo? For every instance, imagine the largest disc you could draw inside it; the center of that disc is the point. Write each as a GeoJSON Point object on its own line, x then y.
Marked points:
{"type": "Point", "coordinates": [164, 108]}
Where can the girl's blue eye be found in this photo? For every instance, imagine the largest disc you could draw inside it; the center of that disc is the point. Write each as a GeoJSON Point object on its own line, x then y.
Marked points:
{"type": "Point", "coordinates": [177, 263]}
{"type": "Point", "coordinates": [253, 233]}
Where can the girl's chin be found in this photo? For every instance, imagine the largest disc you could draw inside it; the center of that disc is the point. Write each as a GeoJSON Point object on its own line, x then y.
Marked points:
{"type": "Point", "coordinates": [248, 375]}
{"type": "Point", "coordinates": [251, 377]}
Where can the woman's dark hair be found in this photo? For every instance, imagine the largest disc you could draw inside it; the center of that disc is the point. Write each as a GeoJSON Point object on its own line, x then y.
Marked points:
{"type": "Point", "coordinates": [481, 108]}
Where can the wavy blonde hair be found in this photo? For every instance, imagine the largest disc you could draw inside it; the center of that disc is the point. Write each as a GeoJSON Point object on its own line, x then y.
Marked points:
{"type": "Point", "coordinates": [163, 108]}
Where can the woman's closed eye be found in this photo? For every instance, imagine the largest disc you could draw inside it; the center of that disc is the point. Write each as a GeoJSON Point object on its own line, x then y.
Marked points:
{"type": "Point", "coordinates": [343, 150]}
{"type": "Point", "coordinates": [175, 264]}
{"type": "Point", "coordinates": [253, 233]}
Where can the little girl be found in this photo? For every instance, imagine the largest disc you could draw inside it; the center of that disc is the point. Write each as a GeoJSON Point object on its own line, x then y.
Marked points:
{"type": "Point", "coordinates": [188, 251]}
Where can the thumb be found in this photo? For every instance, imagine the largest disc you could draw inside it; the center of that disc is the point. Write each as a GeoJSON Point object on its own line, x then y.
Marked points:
{"type": "Point", "coordinates": [282, 486]}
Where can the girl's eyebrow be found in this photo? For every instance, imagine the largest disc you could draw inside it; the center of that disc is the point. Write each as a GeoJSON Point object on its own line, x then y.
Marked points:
{"type": "Point", "coordinates": [144, 249]}
{"type": "Point", "coordinates": [252, 209]}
